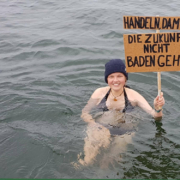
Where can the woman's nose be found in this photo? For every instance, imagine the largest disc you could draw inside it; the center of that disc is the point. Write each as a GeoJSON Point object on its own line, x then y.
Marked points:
{"type": "Point", "coordinates": [115, 79]}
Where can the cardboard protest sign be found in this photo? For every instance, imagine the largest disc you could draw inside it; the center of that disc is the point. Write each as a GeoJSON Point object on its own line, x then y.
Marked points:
{"type": "Point", "coordinates": [140, 22]}
{"type": "Point", "coordinates": [152, 52]}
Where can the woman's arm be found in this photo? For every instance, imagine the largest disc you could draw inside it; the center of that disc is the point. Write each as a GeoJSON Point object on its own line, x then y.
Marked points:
{"type": "Point", "coordinates": [158, 104]}
{"type": "Point", "coordinates": [85, 111]}
{"type": "Point", "coordinates": [93, 101]}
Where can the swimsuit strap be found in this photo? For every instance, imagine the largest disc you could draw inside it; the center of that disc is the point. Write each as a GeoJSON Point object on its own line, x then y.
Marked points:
{"type": "Point", "coordinates": [105, 99]}
{"type": "Point", "coordinates": [102, 104]}
{"type": "Point", "coordinates": [126, 101]}
{"type": "Point", "coordinates": [107, 94]}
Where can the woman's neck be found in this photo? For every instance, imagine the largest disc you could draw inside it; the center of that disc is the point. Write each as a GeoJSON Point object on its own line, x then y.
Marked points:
{"type": "Point", "coordinates": [117, 93]}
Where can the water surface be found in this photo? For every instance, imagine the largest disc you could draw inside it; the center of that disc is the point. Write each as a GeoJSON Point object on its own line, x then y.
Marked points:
{"type": "Point", "coordinates": [52, 56]}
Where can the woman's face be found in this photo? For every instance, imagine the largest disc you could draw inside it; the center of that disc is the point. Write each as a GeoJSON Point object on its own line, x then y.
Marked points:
{"type": "Point", "coordinates": [116, 81]}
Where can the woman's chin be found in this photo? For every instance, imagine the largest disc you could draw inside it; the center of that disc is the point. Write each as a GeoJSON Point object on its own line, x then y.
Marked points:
{"type": "Point", "coordinates": [116, 88]}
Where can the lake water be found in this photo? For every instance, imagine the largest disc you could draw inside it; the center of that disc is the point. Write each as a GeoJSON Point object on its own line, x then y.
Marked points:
{"type": "Point", "coordinates": [52, 56]}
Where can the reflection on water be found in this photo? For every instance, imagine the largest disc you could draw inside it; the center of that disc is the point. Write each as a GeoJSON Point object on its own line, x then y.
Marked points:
{"type": "Point", "coordinates": [160, 160]}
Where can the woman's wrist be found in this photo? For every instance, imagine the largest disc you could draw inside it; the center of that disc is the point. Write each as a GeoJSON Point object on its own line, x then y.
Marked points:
{"type": "Point", "coordinates": [158, 110]}
{"type": "Point", "coordinates": [87, 118]}
{"type": "Point", "coordinates": [158, 113]}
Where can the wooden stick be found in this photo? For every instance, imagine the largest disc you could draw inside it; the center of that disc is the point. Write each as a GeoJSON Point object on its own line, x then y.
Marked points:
{"type": "Point", "coordinates": [159, 83]}
{"type": "Point", "coordinates": [159, 75]}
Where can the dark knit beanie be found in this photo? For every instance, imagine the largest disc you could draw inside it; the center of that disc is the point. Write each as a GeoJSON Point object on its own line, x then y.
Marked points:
{"type": "Point", "coordinates": [113, 66]}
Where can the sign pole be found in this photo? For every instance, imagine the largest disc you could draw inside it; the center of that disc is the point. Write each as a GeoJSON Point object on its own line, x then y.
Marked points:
{"type": "Point", "coordinates": [159, 76]}
{"type": "Point", "coordinates": [158, 73]}
{"type": "Point", "coordinates": [159, 83]}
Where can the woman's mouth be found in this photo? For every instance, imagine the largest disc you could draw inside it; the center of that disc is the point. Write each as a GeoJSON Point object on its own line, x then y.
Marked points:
{"type": "Point", "coordinates": [116, 84]}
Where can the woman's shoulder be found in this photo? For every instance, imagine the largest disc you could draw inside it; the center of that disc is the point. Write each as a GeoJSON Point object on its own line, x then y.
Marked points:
{"type": "Point", "coordinates": [132, 94]}
{"type": "Point", "coordinates": [99, 93]}
{"type": "Point", "coordinates": [131, 91]}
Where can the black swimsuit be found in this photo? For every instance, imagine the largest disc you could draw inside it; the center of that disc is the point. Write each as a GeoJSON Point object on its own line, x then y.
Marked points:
{"type": "Point", "coordinates": [128, 107]}
{"type": "Point", "coordinates": [102, 104]}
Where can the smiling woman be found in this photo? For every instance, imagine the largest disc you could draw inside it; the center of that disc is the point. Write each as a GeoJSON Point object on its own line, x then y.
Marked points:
{"type": "Point", "coordinates": [114, 101]}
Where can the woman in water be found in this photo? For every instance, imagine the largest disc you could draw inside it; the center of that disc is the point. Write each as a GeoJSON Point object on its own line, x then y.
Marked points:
{"type": "Point", "coordinates": [114, 101]}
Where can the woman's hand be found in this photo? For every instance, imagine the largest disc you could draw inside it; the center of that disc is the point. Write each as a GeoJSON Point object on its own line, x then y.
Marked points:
{"type": "Point", "coordinates": [159, 102]}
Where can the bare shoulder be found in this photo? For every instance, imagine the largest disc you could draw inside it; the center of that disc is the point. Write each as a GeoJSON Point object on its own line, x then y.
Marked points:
{"type": "Point", "coordinates": [100, 92]}
{"type": "Point", "coordinates": [138, 100]}
{"type": "Point", "coordinates": [131, 92]}
{"type": "Point", "coordinates": [132, 95]}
